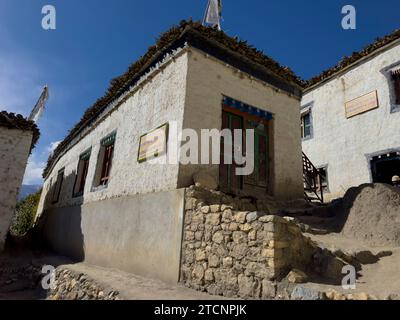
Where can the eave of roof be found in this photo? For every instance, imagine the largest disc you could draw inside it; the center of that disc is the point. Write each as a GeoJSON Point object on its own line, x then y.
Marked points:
{"type": "Point", "coordinates": [16, 121]}
{"type": "Point", "coordinates": [231, 50]}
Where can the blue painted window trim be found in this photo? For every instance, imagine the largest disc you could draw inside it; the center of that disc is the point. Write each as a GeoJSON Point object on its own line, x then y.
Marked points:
{"type": "Point", "coordinates": [244, 107]}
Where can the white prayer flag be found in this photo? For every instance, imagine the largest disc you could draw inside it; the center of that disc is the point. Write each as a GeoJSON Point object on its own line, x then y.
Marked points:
{"type": "Point", "coordinates": [39, 107]}
{"type": "Point", "coordinates": [213, 13]}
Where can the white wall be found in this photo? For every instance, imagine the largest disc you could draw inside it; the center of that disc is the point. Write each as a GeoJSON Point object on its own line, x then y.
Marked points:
{"type": "Point", "coordinates": [343, 144]}
{"type": "Point", "coordinates": [173, 95]}
{"type": "Point", "coordinates": [14, 151]}
{"type": "Point", "coordinates": [208, 80]}
{"type": "Point", "coordinates": [140, 234]}
{"type": "Point", "coordinates": [160, 99]}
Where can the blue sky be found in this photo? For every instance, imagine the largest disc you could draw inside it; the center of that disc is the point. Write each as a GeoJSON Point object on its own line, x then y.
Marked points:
{"type": "Point", "coordinates": [96, 40]}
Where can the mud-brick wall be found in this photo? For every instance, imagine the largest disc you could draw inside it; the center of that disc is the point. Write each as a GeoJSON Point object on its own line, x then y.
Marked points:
{"type": "Point", "coordinates": [230, 252]}
{"type": "Point", "coordinates": [15, 146]}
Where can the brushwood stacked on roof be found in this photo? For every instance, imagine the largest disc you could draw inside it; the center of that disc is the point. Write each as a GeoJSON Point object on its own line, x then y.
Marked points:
{"type": "Point", "coordinates": [16, 121]}
{"type": "Point", "coordinates": [356, 56]}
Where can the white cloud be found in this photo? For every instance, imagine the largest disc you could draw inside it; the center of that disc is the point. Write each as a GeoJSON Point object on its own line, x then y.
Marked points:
{"type": "Point", "coordinates": [34, 170]}
{"type": "Point", "coordinates": [53, 145]}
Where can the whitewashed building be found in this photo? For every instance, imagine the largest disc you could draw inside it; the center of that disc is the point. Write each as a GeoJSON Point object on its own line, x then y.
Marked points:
{"type": "Point", "coordinates": [17, 138]}
{"type": "Point", "coordinates": [350, 118]}
{"type": "Point", "coordinates": [103, 202]}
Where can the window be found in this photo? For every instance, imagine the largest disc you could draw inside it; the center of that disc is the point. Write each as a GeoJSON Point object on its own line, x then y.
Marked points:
{"type": "Point", "coordinates": [107, 160]}
{"type": "Point", "coordinates": [385, 166]}
{"type": "Point", "coordinates": [324, 179]}
{"type": "Point", "coordinates": [396, 85]}
{"type": "Point", "coordinates": [104, 164]}
{"type": "Point", "coordinates": [306, 125]}
{"type": "Point", "coordinates": [82, 171]}
{"type": "Point", "coordinates": [58, 185]}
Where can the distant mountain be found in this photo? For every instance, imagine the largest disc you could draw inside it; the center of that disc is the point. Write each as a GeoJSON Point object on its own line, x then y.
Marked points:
{"type": "Point", "coordinates": [28, 189]}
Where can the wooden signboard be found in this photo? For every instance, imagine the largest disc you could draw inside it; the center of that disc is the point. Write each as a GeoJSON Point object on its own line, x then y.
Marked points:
{"type": "Point", "coordinates": [153, 144]}
{"type": "Point", "coordinates": [362, 104]}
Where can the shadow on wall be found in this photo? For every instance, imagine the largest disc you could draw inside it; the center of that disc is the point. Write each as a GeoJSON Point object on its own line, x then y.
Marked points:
{"type": "Point", "coordinates": [60, 228]}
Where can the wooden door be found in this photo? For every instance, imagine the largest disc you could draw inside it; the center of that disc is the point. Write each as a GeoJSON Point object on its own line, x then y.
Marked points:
{"type": "Point", "coordinates": [229, 181]}
{"type": "Point", "coordinates": [259, 177]}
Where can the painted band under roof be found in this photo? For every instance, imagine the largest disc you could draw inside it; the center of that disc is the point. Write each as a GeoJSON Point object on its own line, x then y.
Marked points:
{"type": "Point", "coordinates": [244, 107]}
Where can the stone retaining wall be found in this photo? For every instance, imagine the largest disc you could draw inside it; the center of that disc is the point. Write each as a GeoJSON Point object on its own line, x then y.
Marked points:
{"type": "Point", "coordinates": [71, 285]}
{"type": "Point", "coordinates": [233, 252]}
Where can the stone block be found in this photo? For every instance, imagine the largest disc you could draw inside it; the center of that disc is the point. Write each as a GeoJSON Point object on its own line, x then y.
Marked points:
{"type": "Point", "coordinates": [257, 269]}
{"type": "Point", "coordinates": [233, 226]}
{"type": "Point", "coordinates": [213, 219]}
{"type": "Point", "coordinates": [190, 203]}
{"type": "Point", "coordinates": [303, 293]}
{"type": "Point", "coordinates": [200, 255]}
{"type": "Point", "coordinates": [297, 276]}
{"type": "Point", "coordinates": [268, 290]}
{"type": "Point", "coordinates": [215, 208]}
{"type": "Point", "coordinates": [198, 235]}
{"type": "Point", "coordinates": [245, 227]}
{"type": "Point", "coordinates": [205, 209]}
{"type": "Point", "coordinates": [252, 235]}
{"type": "Point", "coordinates": [227, 216]}
{"type": "Point", "coordinates": [240, 216]}
{"type": "Point", "coordinates": [248, 287]}
{"type": "Point", "coordinates": [214, 290]}
{"type": "Point", "coordinates": [198, 272]}
{"type": "Point", "coordinates": [226, 207]}
{"type": "Point", "coordinates": [218, 237]}
{"type": "Point", "coordinates": [227, 262]}
{"type": "Point", "coordinates": [268, 253]}
{"type": "Point", "coordinates": [239, 251]}
{"type": "Point", "coordinates": [239, 237]}
{"type": "Point", "coordinates": [272, 218]}
{"type": "Point", "coordinates": [209, 275]}
{"type": "Point", "coordinates": [213, 261]}
{"type": "Point", "coordinates": [189, 235]}
{"type": "Point", "coordinates": [198, 217]}
{"type": "Point", "coordinates": [254, 215]}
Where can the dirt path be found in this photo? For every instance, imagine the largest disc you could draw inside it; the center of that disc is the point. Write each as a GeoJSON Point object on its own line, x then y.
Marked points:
{"type": "Point", "coordinates": [20, 280]}
{"type": "Point", "coordinates": [379, 279]}
{"type": "Point", "coordinates": [133, 287]}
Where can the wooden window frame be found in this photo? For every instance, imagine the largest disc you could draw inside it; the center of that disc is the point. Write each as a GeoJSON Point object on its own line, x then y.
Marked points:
{"type": "Point", "coordinates": [83, 177]}
{"type": "Point", "coordinates": [81, 174]}
{"type": "Point", "coordinates": [58, 186]}
{"type": "Point", "coordinates": [303, 126]}
{"type": "Point", "coordinates": [106, 164]}
{"type": "Point", "coordinates": [395, 76]}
